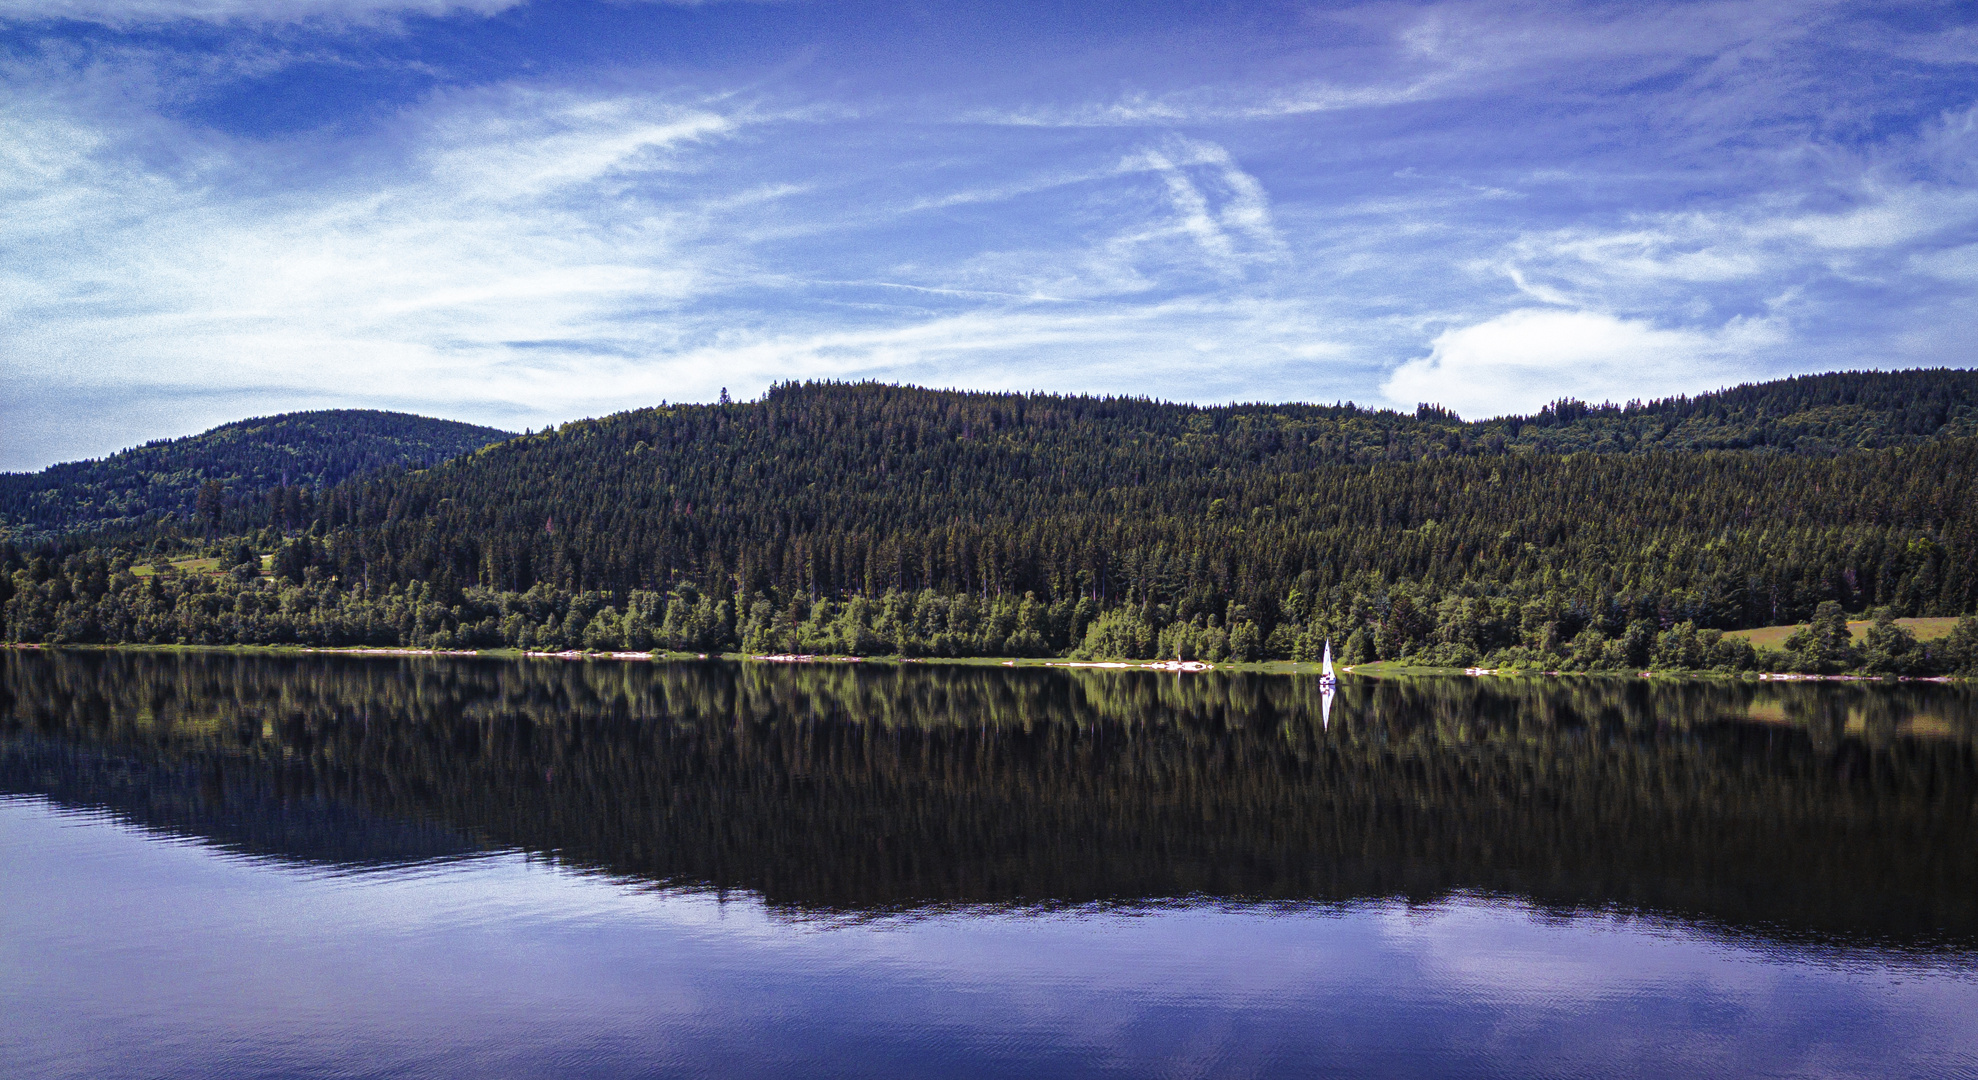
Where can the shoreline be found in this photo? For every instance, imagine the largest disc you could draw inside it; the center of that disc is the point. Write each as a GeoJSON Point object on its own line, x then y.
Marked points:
{"type": "Point", "coordinates": [1374, 670]}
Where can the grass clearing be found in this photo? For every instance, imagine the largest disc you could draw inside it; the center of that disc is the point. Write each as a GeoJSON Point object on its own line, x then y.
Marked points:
{"type": "Point", "coordinates": [183, 566]}
{"type": "Point", "coordinates": [200, 565]}
{"type": "Point", "coordinates": [1774, 637]}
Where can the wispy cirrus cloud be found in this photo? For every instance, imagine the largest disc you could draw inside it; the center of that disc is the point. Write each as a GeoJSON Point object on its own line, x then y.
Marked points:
{"type": "Point", "coordinates": [1212, 106]}
{"type": "Point", "coordinates": [516, 217]}
{"type": "Point", "coordinates": [135, 13]}
{"type": "Point", "coordinates": [124, 14]}
{"type": "Point", "coordinates": [1750, 251]}
{"type": "Point", "coordinates": [524, 254]}
{"type": "Point", "coordinates": [496, 216]}
{"type": "Point", "coordinates": [1236, 229]}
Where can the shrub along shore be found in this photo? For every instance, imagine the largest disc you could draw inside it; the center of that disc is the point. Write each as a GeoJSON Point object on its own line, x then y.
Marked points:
{"type": "Point", "coordinates": [90, 603]}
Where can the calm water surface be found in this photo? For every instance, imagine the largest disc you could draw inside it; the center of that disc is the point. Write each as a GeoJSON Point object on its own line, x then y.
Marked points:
{"type": "Point", "coordinates": [217, 865]}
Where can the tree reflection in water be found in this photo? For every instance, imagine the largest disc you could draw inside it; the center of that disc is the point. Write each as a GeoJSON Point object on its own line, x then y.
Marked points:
{"type": "Point", "coordinates": [1828, 812]}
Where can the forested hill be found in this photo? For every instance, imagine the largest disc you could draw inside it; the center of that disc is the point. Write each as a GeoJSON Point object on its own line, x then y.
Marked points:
{"type": "Point", "coordinates": [1808, 414]}
{"type": "Point", "coordinates": [268, 470]}
{"type": "Point", "coordinates": [877, 457]}
{"type": "Point", "coordinates": [854, 436]}
{"type": "Point", "coordinates": [275, 460]}
{"type": "Point", "coordinates": [879, 519]}
{"type": "Point", "coordinates": [834, 490]}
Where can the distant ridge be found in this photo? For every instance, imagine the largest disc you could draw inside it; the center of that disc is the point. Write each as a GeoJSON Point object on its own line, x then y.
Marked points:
{"type": "Point", "coordinates": [248, 459]}
{"type": "Point", "coordinates": [1843, 410]}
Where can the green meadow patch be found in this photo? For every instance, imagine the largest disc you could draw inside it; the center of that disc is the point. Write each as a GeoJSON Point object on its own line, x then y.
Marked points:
{"type": "Point", "coordinates": [185, 566]}
{"type": "Point", "coordinates": [1774, 637]}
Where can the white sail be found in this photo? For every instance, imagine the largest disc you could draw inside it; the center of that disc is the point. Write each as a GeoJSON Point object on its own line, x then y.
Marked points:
{"type": "Point", "coordinates": [1326, 672]}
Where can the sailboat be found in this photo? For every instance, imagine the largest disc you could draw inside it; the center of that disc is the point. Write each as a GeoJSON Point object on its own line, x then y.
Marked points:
{"type": "Point", "coordinates": [1328, 685]}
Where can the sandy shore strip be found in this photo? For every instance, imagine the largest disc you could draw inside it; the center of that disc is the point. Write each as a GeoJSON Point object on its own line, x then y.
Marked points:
{"type": "Point", "coordinates": [1125, 665]}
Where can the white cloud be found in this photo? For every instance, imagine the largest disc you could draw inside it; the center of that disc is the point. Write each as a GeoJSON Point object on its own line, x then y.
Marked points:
{"type": "Point", "coordinates": [517, 219]}
{"type": "Point", "coordinates": [1521, 360]}
{"type": "Point", "coordinates": [1744, 256]}
{"type": "Point", "coordinates": [126, 14]}
{"type": "Point", "coordinates": [1680, 248]}
{"type": "Point", "coordinates": [530, 255]}
{"type": "Point", "coordinates": [1010, 346]}
{"type": "Point", "coordinates": [1886, 217]}
{"type": "Point", "coordinates": [523, 253]}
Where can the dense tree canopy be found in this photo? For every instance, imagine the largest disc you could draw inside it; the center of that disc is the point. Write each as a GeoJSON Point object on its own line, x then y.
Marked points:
{"type": "Point", "coordinates": [880, 519]}
{"type": "Point", "coordinates": [266, 467]}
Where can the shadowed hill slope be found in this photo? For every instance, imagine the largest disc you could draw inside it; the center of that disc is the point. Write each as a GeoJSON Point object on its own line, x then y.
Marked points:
{"type": "Point", "coordinates": [249, 460]}
{"type": "Point", "coordinates": [831, 490]}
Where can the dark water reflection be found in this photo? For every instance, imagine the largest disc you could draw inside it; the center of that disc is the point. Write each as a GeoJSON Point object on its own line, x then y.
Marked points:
{"type": "Point", "coordinates": [1848, 811]}
{"type": "Point", "coordinates": [1803, 821]}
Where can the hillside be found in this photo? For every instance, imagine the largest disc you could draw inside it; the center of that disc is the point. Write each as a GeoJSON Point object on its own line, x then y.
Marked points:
{"type": "Point", "coordinates": [267, 468]}
{"type": "Point", "coordinates": [269, 463]}
{"type": "Point", "coordinates": [878, 519]}
{"type": "Point", "coordinates": [833, 490]}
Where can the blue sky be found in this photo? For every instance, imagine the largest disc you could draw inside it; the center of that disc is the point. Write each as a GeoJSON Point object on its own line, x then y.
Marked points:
{"type": "Point", "coordinates": [518, 213]}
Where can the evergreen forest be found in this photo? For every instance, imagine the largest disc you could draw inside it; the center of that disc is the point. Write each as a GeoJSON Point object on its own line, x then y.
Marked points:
{"type": "Point", "coordinates": [274, 463]}
{"type": "Point", "coordinates": [869, 519]}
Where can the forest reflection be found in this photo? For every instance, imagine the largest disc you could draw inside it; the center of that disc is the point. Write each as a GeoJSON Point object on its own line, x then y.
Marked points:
{"type": "Point", "coordinates": [1841, 813]}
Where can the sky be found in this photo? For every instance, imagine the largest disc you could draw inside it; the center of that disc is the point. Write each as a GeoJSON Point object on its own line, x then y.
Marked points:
{"type": "Point", "coordinates": [518, 213]}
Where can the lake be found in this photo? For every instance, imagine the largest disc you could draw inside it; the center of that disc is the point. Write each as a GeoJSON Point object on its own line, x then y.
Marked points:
{"type": "Point", "coordinates": [234, 865]}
